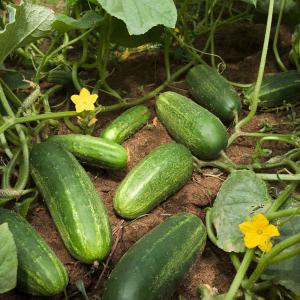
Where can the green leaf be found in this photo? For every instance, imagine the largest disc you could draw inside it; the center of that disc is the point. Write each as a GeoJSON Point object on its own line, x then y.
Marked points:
{"type": "Point", "coordinates": [280, 273]}
{"type": "Point", "coordinates": [63, 23]}
{"type": "Point", "coordinates": [8, 260]}
{"type": "Point", "coordinates": [241, 195]}
{"type": "Point", "coordinates": [27, 23]}
{"type": "Point", "coordinates": [140, 16]}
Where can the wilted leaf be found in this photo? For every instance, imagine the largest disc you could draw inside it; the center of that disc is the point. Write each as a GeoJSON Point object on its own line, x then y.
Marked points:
{"type": "Point", "coordinates": [27, 22]}
{"type": "Point", "coordinates": [8, 260]}
{"type": "Point", "coordinates": [241, 195]}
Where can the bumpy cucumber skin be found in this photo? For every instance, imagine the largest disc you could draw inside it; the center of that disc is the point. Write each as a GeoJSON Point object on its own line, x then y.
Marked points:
{"type": "Point", "coordinates": [277, 89]}
{"type": "Point", "coordinates": [126, 124]}
{"type": "Point", "coordinates": [73, 202]}
{"type": "Point", "coordinates": [159, 175]}
{"type": "Point", "coordinates": [192, 125]}
{"type": "Point", "coordinates": [154, 266]}
{"type": "Point", "coordinates": [93, 150]}
{"type": "Point", "coordinates": [40, 272]}
{"type": "Point", "coordinates": [212, 91]}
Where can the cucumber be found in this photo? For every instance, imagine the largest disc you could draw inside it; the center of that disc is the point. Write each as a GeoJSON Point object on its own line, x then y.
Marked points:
{"type": "Point", "coordinates": [40, 272]}
{"type": "Point", "coordinates": [159, 175]}
{"type": "Point", "coordinates": [126, 124]}
{"type": "Point", "coordinates": [73, 202]}
{"type": "Point", "coordinates": [154, 266]}
{"type": "Point", "coordinates": [60, 77]}
{"type": "Point", "coordinates": [212, 91]}
{"type": "Point", "coordinates": [277, 89]}
{"type": "Point", "coordinates": [192, 125]}
{"type": "Point", "coordinates": [92, 150]}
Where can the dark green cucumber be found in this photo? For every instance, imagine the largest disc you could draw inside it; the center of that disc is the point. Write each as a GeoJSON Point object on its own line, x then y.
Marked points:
{"type": "Point", "coordinates": [154, 266]}
{"type": "Point", "coordinates": [126, 124]}
{"type": "Point", "coordinates": [277, 89]}
{"type": "Point", "coordinates": [159, 175]}
{"type": "Point", "coordinates": [60, 77]}
{"type": "Point", "coordinates": [40, 272]}
{"type": "Point", "coordinates": [73, 202]}
{"type": "Point", "coordinates": [212, 91]}
{"type": "Point", "coordinates": [93, 150]}
{"type": "Point", "coordinates": [192, 125]}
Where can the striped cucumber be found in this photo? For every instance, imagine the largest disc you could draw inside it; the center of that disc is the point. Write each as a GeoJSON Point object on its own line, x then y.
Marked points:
{"type": "Point", "coordinates": [212, 91]}
{"type": "Point", "coordinates": [93, 150]}
{"type": "Point", "coordinates": [192, 125]}
{"type": "Point", "coordinates": [159, 175]}
{"type": "Point", "coordinates": [126, 124]}
{"type": "Point", "coordinates": [73, 202]}
{"type": "Point", "coordinates": [154, 266]}
{"type": "Point", "coordinates": [277, 89]}
{"type": "Point", "coordinates": [40, 272]}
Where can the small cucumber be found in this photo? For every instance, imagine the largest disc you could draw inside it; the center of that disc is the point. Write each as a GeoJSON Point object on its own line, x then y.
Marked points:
{"type": "Point", "coordinates": [40, 272]}
{"type": "Point", "coordinates": [60, 77]}
{"type": "Point", "coordinates": [277, 89]}
{"type": "Point", "coordinates": [93, 150]}
{"type": "Point", "coordinates": [126, 124]}
{"type": "Point", "coordinates": [154, 266]}
{"type": "Point", "coordinates": [192, 125]}
{"type": "Point", "coordinates": [73, 202]}
{"type": "Point", "coordinates": [159, 175]}
{"type": "Point", "coordinates": [212, 91]}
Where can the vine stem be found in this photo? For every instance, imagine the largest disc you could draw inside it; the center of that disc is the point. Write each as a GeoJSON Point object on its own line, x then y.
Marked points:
{"type": "Point", "coordinates": [254, 102]}
{"type": "Point", "coordinates": [267, 258]}
{"type": "Point", "coordinates": [240, 275]}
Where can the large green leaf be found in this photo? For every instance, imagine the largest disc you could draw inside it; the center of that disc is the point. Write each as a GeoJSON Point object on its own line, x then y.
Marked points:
{"type": "Point", "coordinates": [241, 195]}
{"type": "Point", "coordinates": [140, 16]}
{"type": "Point", "coordinates": [64, 23]}
{"type": "Point", "coordinates": [27, 22]}
{"type": "Point", "coordinates": [8, 260]}
{"type": "Point", "coordinates": [280, 273]}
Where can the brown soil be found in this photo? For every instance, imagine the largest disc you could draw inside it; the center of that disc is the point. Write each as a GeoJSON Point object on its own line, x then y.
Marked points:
{"type": "Point", "coordinates": [213, 267]}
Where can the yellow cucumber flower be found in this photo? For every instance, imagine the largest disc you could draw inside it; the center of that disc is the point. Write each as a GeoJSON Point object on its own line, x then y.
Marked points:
{"type": "Point", "coordinates": [84, 101]}
{"type": "Point", "coordinates": [258, 232]}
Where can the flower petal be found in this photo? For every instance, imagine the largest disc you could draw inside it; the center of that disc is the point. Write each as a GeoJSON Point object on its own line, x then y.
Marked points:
{"type": "Point", "coordinates": [75, 99]}
{"type": "Point", "coordinates": [84, 93]}
{"type": "Point", "coordinates": [245, 227]}
{"type": "Point", "coordinates": [79, 107]}
{"type": "Point", "coordinates": [251, 240]}
{"type": "Point", "coordinates": [93, 98]}
{"type": "Point", "coordinates": [266, 246]}
{"type": "Point", "coordinates": [271, 230]}
{"type": "Point", "coordinates": [260, 221]}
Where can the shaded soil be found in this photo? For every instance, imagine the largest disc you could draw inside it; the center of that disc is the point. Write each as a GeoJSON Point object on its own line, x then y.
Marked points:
{"type": "Point", "coordinates": [140, 74]}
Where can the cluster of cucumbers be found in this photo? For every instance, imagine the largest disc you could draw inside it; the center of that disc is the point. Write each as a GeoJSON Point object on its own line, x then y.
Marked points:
{"type": "Point", "coordinates": [153, 267]}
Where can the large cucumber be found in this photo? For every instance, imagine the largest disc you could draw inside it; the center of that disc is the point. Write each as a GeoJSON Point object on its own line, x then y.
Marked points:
{"type": "Point", "coordinates": [126, 124]}
{"type": "Point", "coordinates": [73, 202]}
{"type": "Point", "coordinates": [154, 266]}
{"type": "Point", "coordinates": [159, 175]}
{"type": "Point", "coordinates": [192, 125]}
{"type": "Point", "coordinates": [40, 272]}
{"type": "Point", "coordinates": [277, 89]}
{"type": "Point", "coordinates": [212, 91]}
{"type": "Point", "coordinates": [93, 150]}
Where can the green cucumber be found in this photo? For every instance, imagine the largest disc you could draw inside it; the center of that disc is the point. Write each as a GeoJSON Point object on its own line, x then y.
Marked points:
{"type": "Point", "coordinates": [40, 272]}
{"type": "Point", "coordinates": [73, 202]}
{"type": "Point", "coordinates": [212, 91]}
{"type": "Point", "coordinates": [192, 125]}
{"type": "Point", "coordinates": [126, 124]}
{"type": "Point", "coordinates": [159, 175]}
{"type": "Point", "coordinates": [93, 150]}
{"type": "Point", "coordinates": [277, 89]}
{"type": "Point", "coordinates": [154, 266]}
{"type": "Point", "coordinates": [60, 77]}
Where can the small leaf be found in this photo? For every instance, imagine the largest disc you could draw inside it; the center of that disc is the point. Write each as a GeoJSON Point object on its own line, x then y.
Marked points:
{"type": "Point", "coordinates": [27, 22]}
{"type": "Point", "coordinates": [8, 260]}
{"type": "Point", "coordinates": [140, 16]}
{"type": "Point", "coordinates": [241, 195]}
{"type": "Point", "coordinates": [63, 23]}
